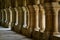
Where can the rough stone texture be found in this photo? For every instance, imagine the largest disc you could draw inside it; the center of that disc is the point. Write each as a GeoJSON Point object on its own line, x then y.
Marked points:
{"type": "Point", "coordinates": [10, 35]}
{"type": "Point", "coordinates": [36, 35]}
{"type": "Point", "coordinates": [26, 32]}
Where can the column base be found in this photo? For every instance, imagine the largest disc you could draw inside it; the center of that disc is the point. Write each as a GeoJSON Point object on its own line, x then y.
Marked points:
{"type": "Point", "coordinates": [56, 37]}
{"type": "Point", "coordinates": [44, 35]}
{"type": "Point", "coordinates": [6, 25]}
{"type": "Point", "coordinates": [35, 35]}
{"type": "Point", "coordinates": [17, 29]}
{"type": "Point", "coordinates": [56, 33]}
{"type": "Point", "coordinates": [26, 32]}
{"type": "Point", "coordinates": [12, 26]}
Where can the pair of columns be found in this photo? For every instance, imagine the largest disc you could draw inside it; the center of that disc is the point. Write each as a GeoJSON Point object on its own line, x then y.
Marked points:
{"type": "Point", "coordinates": [40, 10]}
{"type": "Point", "coordinates": [52, 17]}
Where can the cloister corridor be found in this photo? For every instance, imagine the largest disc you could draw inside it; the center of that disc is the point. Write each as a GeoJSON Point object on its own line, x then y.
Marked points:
{"type": "Point", "coordinates": [7, 34]}
{"type": "Point", "coordinates": [29, 19]}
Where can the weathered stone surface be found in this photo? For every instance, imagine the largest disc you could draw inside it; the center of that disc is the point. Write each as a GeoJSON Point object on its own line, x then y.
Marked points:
{"type": "Point", "coordinates": [36, 35]}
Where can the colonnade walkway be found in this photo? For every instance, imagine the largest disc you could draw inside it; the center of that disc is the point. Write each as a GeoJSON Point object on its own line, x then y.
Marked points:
{"type": "Point", "coordinates": [7, 34]}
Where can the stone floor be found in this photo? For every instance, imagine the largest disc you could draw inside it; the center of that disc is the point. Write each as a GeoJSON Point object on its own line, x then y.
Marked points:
{"type": "Point", "coordinates": [6, 34]}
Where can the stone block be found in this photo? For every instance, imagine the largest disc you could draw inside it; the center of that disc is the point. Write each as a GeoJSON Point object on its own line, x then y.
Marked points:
{"type": "Point", "coordinates": [35, 35]}
{"type": "Point", "coordinates": [26, 32]}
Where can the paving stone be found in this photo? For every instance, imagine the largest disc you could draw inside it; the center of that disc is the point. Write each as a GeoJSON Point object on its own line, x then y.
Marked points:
{"type": "Point", "coordinates": [10, 35]}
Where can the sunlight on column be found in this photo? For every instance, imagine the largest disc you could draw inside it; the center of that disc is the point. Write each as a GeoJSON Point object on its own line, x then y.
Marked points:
{"type": "Point", "coordinates": [37, 17]}
{"type": "Point", "coordinates": [43, 19]}
{"type": "Point", "coordinates": [25, 24]}
{"type": "Point", "coordinates": [16, 16]}
{"type": "Point", "coordinates": [10, 18]}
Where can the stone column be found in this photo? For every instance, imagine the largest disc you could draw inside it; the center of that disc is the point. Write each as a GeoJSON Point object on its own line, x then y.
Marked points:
{"type": "Point", "coordinates": [56, 8]}
{"type": "Point", "coordinates": [13, 18]}
{"type": "Point", "coordinates": [16, 16]}
{"type": "Point", "coordinates": [36, 7]}
{"type": "Point", "coordinates": [42, 18]}
{"type": "Point", "coordinates": [20, 18]}
{"type": "Point", "coordinates": [25, 17]}
{"type": "Point", "coordinates": [31, 20]}
{"type": "Point", "coordinates": [28, 18]}
{"type": "Point", "coordinates": [32, 17]}
{"type": "Point", "coordinates": [10, 17]}
{"type": "Point", "coordinates": [56, 22]}
{"type": "Point", "coordinates": [5, 15]}
{"type": "Point", "coordinates": [6, 19]}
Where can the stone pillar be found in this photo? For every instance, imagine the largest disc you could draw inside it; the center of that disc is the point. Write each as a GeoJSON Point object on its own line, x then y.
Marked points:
{"type": "Point", "coordinates": [16, 16]}
{"type": "Point", "coordinates": [42, 18]}
{"type": "Point", "coordinates": [25, 17]}
{"type": "Point", "coordinates": [8, 17]}
{"type": "Point", "coordinates": [56, 22]}
{"type": "Point", "coordinates": [16, 26]}
{"type": "Point", "coordinates": [6, 10]}
{"type": "Point", "coordinates": [56, 8]}
{"type": "Point", "coordinates": [36, 7]}
{"type": "Point", "coordinates": [5, 15]}
{"type": "Point", "coordinates": [32, 19]}
{"type": "Point", "coordinates": [13, 18]}
{"type": "Point", "coordinates": [27, 22]}
{"type": "Point", "coordinates": [28, 18]}
{"type": "Point", "coordinates": [6, 22]}
{"type": "Point", "coordinates": [13, 6]}
{"type": "Point", "coordinates": [10, 22]}
{"type": "Point", "coordinates": [19, 17]}
{"type": "Point", "coordinates": [36, 28]}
